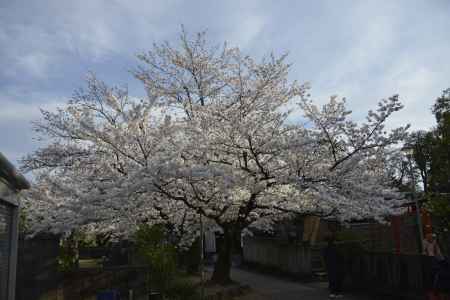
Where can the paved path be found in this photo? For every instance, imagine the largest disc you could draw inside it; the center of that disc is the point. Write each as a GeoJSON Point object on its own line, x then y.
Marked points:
{"type": "Point", "coordinates": [278, 289]}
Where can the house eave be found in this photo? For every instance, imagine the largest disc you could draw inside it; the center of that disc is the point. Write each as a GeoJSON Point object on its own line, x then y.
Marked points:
{"type": "Point", "coordinates": [11, 176]}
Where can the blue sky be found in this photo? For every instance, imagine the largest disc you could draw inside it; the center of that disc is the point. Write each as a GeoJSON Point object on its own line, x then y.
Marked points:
{"type": "Point", "coordinates": [361, 50]}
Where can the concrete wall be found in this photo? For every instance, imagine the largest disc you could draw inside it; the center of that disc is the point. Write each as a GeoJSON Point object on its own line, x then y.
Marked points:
{"type": "Point", "coordinates": [268, 252]}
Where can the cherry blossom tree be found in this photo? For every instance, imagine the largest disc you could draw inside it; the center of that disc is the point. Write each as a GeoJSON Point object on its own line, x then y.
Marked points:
{"type": "Point", "coordinates": [211, 139]}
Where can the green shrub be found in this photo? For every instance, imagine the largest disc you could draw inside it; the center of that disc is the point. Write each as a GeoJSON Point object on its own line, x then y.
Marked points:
{"type": "Point", "coordinates": [190, 259]}
{"type": "Point", "coordinates": [350, 244]}
{"type": "Point", "coordinates": [183, 290]}
{"type": "Point", "coordinates": [154, 250]}
{"type": "Point", "coordinates": [68, 254]}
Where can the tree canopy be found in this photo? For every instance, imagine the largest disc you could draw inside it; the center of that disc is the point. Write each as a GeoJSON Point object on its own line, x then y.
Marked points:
{"type": "Point", "coordinates": [211, 138]}
{"type": "Point", "coordinates": [432, 160]}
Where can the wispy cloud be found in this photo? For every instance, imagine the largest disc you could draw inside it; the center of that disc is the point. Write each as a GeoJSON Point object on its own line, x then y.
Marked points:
{"type": "Point", "coordinates": [15, 111]}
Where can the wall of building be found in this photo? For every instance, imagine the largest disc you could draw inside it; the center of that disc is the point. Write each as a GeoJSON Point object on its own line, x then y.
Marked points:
{"type": "Point", "coordinates": [8, 240]}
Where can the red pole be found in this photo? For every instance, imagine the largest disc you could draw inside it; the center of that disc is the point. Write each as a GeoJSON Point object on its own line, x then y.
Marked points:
{"type": "Point", "coordinates": [395, 220]}
{"type": "Point", "coordinates": [427, 224]}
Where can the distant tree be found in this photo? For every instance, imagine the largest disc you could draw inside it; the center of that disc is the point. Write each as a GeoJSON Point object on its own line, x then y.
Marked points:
{"type": "Point", "coordinates": [422, 143]}
{"type": "Point", "coordinates": [399, 171]}
{"type": "Point", "coordinates": [441, 108]}
{"type": "Point", "coordinates": [432, 159]}
{"type": "Point", "coordinates": [440, 177]}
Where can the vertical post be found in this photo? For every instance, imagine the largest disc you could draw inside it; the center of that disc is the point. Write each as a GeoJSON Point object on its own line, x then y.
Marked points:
{"type": "Point", "coordinates": [315, 230]}
{"type": "Point", "coordinates": [201, 258]}
{"type": "Point", "coordinates": [130, 294]}
{"type": "Point", "coordinates": [396, 231]}
{"type": "Point", "coordinates": [13, 253]}
{"type": "Point", "coordinates": [147, 283]}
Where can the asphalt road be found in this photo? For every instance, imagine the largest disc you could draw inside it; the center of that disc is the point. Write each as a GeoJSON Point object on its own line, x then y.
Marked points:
{"type": "Point", "coordinates": [274, 288]}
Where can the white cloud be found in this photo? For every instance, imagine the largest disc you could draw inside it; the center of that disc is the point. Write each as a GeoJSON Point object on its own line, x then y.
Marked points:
{"type": "Point", "coordinates": [250, 27]}
{"type": "Point", "coordinates": [55, 30]}
{"type": "Point", "coordinates": [16, 111]}
{"type": "Point", "coordinates": [34, 63]}
{"type": "Point", "coordinates": [388, 53]}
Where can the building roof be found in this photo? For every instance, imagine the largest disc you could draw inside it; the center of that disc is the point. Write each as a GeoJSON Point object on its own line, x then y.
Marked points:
{"type": "Point", "coordinates": [9, 173]}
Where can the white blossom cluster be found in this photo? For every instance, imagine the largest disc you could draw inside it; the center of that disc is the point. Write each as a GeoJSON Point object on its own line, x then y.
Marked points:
{"type": "Point", "coordinates": [210, 139]}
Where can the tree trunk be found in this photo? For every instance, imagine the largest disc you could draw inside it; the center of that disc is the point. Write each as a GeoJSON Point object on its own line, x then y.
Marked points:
{"type": "Point", "coordinates": [222, 267]}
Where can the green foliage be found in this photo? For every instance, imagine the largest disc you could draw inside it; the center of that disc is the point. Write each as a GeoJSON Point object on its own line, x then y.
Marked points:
{"type": "Point", "coordinates": [422, 144]}
{"type": "Point", "coordinates": [68, 254]}
{"type": "Point", "coordinates": [24, 213]}
{"type": "Point", "coordinates": [94, 239]}
{"type": "Point", "coordinates": [154, 250]}
{"type": "Point", "coordinates": [85, 240]}
{"type": "Point", "coordinates": [432, 159]}
{"type": "Point", "coordinates": [23, 223]}
{"type": "Point", "coordinates": [442, 106]}
{"type": "Point", "coordinates": [349, 243]}
{"type": "Point", "coordinates": [439, 205]}
{"type": "Point", "coordinates": [183, 290]}
{"type": "Point", "coordinates": [440, 163]}
{"type": "Point", "coordinates": [190, 258]}
{"type": "Point", "coordinates": [346, 236]}
{"type": "Point", "coordinates": [440, 166]}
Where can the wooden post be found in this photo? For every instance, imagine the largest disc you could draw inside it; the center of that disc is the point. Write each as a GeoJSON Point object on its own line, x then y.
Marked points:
{"type": "Point", "coordinates": [202, 254]}
{"type": "Point", "coordinates": [311, 228]}
{"type": "Point", "coordinates": [427, 224]}
{"type": "Point", "coordinates": [315, 230]}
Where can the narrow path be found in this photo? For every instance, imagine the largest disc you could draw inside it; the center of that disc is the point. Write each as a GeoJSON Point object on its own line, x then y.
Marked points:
{"type": "Point", "coordinates": [273, 288]}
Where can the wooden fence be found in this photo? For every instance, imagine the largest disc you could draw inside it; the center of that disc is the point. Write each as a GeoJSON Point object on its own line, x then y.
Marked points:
{"type": "Point", "coordinates": [37, 267]}
{"type": "Point", "coordinates": [38, 276]}
{"type": "Point", "coordinates": [391, 272]}
{"type": "Point", "coordinates": [268, 252]}
{"type": "Point", "coordinates": [370, 271]}
{"type": "Point", "coordinates": [385, 270]}
{"type": "Point", "coordinates": [86, 283]}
